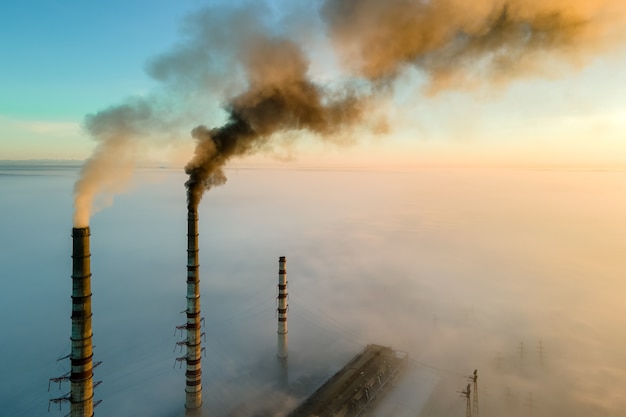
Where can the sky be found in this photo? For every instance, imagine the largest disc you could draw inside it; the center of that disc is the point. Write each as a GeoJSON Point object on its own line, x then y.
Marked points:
{"type": "Point", "coordinates": [63, 60]}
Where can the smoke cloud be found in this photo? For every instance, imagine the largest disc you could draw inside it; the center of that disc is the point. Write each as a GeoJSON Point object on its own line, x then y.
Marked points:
{"type": "Point", "coordinates": [456, 43]}
{"type": "Point", "coordinates": [453, 43]}
{"type": "Point", "coordinates": [111, 165]}
{"type": "Point", "coordinates": [280, 97]}
{"type": "Point", "coordinates": [247, 68]}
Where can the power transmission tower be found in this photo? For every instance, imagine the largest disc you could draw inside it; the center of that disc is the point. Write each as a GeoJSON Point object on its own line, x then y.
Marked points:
{"type": "Point", "coordinates": [540, 352]}
{"type": "Point", "coordinates": [474, 379]}
{"type": "Point", "coordinates": [468, 405]}
{"type": "Point", "coordinates": [499, 362]}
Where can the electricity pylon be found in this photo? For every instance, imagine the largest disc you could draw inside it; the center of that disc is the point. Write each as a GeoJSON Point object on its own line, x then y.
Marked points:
{"type": "Point", "coordinates": [474, 379]}
{"type": "Point", "coordinates": [466, 394]}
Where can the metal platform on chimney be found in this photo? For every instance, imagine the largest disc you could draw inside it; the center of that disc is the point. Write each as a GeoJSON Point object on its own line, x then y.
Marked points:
{"type": "Point", "coordinates": [357, 386]}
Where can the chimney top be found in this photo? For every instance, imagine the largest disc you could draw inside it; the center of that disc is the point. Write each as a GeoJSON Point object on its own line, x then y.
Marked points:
{"type": "Point", "coordinates": [80, 231]}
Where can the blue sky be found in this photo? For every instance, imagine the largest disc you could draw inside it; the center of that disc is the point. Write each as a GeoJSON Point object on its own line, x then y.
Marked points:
{"type": "Point", "coordinates": [61, 58]}
{"type": "Point", "coordinates": [64, 59]}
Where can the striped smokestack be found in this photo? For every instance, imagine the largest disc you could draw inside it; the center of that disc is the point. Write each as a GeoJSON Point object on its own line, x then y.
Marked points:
{"type": "Point", "coordinates": [193, 373]}
{"type": "Point", "coordinates": [282, 308]}
{"type": "Point", "coordinates": [81, 376]}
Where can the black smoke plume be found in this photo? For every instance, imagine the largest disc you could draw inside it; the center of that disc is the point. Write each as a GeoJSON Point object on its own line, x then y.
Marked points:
{"type": "Point", "coordinates": [254, 59]}
{"type": "Point", "coordinates": [280, 97]}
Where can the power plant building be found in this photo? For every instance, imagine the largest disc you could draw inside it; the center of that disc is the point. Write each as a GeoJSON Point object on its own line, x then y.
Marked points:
{"type": "Point", "coordinates": [357, 386]}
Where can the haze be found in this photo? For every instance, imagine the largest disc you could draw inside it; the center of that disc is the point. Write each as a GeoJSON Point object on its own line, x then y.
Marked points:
{"type": "Point", "coordinates": [456, 266]}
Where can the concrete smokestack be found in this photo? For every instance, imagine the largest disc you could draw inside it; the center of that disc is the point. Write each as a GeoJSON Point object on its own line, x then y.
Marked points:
{"type": "Point", "coordinates": [81, 376]}
{"type": "Point", "coordinates": [282, 308]}
{"type": "Point", "coordinates": [193, 373]}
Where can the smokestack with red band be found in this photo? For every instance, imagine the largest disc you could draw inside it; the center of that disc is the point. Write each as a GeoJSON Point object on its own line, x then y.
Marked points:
{"type": "Point", "coordinates": [282, 308]}
{"type": "Point", "coordinates": [81, 376]}
{"type": "Point", "coordinates": [193, 373]}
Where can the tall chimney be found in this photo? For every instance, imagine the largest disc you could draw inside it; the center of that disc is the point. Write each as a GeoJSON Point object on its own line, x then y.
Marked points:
{"type": "Point", "coordinates": [282, 308]}
{"type": "Point", "coordinates": [81, 376]}
{"type": "Point", "coordinates": [193, 374]}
